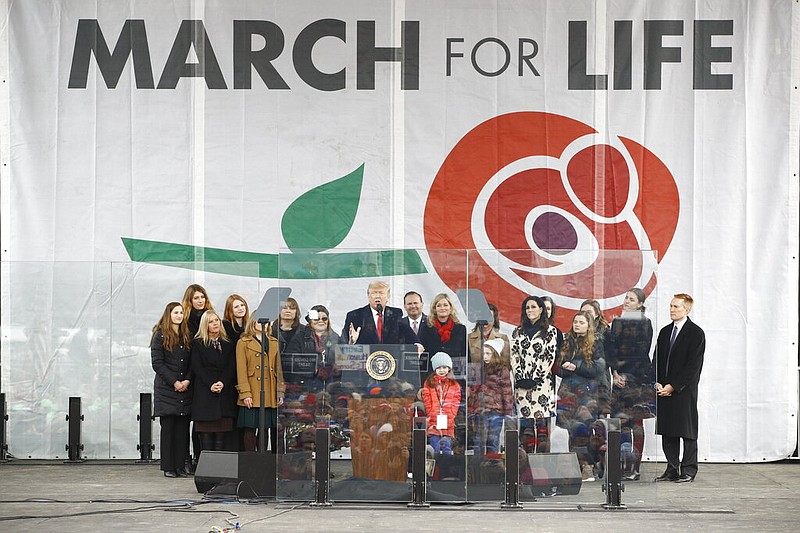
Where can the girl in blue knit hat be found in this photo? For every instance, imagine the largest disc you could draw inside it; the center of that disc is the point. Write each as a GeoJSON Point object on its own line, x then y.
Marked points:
{"type": "Point", "coordinates": [441, 395]}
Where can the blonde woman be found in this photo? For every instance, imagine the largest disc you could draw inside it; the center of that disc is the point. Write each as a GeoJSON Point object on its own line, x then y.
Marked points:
{"type": "Point", "coordinates": [214, 367]}
{"type": "Point", "coordinates": [443, 331]}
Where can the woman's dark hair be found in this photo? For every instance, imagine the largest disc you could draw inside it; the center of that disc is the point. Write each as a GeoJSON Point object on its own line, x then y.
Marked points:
{"type": "Point", "coordinates": [496, 315]}
{"type": "Point", "coordinates": [600, 320]}
{"type": "Point", "coordinates": [171, 339]}
{"type": "Point", "coordinates": [639, 295]}
{"type": "Point", "coordinates": [553, 308]}
{"type": "Point", "coordinates": [542, 324]}
{"type": "Point", "coordinates": [320, 309]}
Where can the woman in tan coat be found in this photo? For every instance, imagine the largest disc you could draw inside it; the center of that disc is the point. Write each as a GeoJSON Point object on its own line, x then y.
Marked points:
{"type": "Point", "coordinates": [490, 331]}
{"type": "Point", "coordinates": [248, 374]}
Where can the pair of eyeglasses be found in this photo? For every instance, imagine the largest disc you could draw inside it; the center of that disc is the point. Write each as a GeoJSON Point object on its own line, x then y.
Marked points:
{"type": "Point", "coordinates": [321, 319]}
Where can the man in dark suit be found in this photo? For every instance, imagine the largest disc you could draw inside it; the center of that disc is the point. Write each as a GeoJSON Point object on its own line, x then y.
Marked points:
{"type": "Point", "coordinates": [361, 326]}
{"type": "Point", "coordinates": [679, 361]}
{"type": "Point", "coordinates": [412, 302]}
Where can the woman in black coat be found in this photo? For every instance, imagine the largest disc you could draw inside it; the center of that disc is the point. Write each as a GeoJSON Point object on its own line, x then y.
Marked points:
{"type": "Point", "coordinates": [171, 360]}
{"type": "Point", "coordinates": [214, 367]}
{"type": "Point", "coordinates": [442, 332]}
{"type": "Point", "coordinates": [235, 317]}
{"type": "Point", "coordinates": [627, 347]}
{"type": "Point", "coordinates": [287, 324]}
{"type": "Point", "coordinates": [195, 302]}
{"type": "Point", "coordinates": [317, 337]}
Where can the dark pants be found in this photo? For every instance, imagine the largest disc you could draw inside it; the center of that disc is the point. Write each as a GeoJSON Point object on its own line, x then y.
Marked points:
{"type": "Point", "coordinates": [174, 441]}
{"type": "Point", "coordinates": [672, 448]}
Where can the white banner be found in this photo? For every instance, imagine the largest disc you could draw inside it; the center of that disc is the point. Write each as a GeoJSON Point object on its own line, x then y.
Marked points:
{"type": "Point", "coordinates": [582, 148]}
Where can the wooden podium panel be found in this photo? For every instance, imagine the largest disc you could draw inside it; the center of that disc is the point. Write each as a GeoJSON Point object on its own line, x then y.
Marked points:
{"type": "Point", "coordinates": [380, 430]}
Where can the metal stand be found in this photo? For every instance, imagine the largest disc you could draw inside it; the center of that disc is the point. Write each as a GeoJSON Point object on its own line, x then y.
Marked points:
{"type": "Point", "coordinates": [322, 468]}
{"type": "Point", "coordinates": [419, 482]}
{"type": "Point", "coordinates": [613, 486]}
{"type": "Point", "coordinates": [145, 419]}
{"type": "Point", "coordinates": [512, 471]}
{"type": "Point", "coordinates": [270, 305]}
{"type": "Point", "coordinates": [262, 398]}
{"type": "Point", "coordinates": [74, 446]}
{"type": "Point", "coordinates": [3, 435]}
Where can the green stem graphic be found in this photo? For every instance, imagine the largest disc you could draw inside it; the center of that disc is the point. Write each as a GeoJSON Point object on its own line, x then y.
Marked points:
{"type": "Point", "coordinates": [306, 264]}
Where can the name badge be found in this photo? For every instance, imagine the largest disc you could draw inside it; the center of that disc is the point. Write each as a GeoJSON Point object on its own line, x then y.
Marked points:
{"type": "Point", "coordinates": [441, 421]}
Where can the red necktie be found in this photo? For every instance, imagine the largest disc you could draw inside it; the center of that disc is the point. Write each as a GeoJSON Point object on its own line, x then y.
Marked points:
{"type": "Point", "coordinates": [380, 326]}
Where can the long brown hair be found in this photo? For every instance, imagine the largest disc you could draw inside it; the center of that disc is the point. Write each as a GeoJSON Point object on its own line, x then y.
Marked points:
{"type": "Point", "coordinates": [601, 320]}
{"type": "Point", "coordinates": [172, 339]}
{"type": "Point", "coordinates": [187, 299]}
{"type": "Point", "coordinates": [581, 346]}
{"type": "Point", "coordinates": [291, 303]}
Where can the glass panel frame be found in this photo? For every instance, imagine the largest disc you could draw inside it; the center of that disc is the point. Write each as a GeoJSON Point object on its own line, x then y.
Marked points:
{"type": "Point", "coordinates": [470, 475]}
{"type": "Point", "coordinates": [99, 350]}
{"type": "Point", "coordinates": [557, 452]}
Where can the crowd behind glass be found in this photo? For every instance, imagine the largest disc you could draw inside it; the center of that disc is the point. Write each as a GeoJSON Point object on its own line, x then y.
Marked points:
{"type": "Point", "coordinates": [471, 385]}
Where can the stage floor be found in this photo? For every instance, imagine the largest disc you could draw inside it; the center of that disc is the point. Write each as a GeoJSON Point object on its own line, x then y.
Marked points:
{"type": "Point", "coordinates": [51, 496]}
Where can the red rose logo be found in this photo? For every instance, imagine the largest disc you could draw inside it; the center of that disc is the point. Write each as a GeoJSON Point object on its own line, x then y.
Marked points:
{"type": "Point", "coordinates": [544, 204]}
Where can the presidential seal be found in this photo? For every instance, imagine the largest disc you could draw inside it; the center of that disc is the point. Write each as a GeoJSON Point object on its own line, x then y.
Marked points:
{"type": "Point", "coordinates": [380, 365]}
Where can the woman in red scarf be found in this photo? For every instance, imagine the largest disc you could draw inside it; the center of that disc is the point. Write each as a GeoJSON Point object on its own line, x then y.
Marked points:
{"type": "Point", "coordinates": [444, 333]}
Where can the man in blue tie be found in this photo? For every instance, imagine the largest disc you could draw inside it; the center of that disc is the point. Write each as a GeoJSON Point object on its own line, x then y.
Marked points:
{"type": "Point", "coordinates": [679, 361]}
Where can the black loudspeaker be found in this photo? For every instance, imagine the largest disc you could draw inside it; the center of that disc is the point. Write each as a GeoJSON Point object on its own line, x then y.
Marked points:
{"type": "Point", "coordinates": [241, 474]}
{"type": "Point", "coordinates": [553, 473]}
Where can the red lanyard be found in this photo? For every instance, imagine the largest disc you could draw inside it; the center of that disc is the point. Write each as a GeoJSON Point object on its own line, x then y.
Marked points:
{"type": "Point", "coordinates": [441, 395]}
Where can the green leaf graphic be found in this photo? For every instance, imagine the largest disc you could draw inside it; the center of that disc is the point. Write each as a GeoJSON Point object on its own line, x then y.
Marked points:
{"type": "Point", "coordinates": [321, 218]}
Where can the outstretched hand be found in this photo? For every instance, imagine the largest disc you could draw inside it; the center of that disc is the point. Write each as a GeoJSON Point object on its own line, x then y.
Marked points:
{"type": "Point", "coordinates": [354, 333]}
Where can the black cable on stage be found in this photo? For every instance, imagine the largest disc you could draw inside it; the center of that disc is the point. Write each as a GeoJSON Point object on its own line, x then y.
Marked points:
{"type": "Point", "coordinates": [120, 500]}
{"type": "Point", "coordinates": [284, 511]}
{"type": "Point", "coordinates": [187, 507]}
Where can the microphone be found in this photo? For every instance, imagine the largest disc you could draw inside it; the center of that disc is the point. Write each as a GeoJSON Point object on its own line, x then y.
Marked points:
{"type": "Point", "coordinates": [379, 308]}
